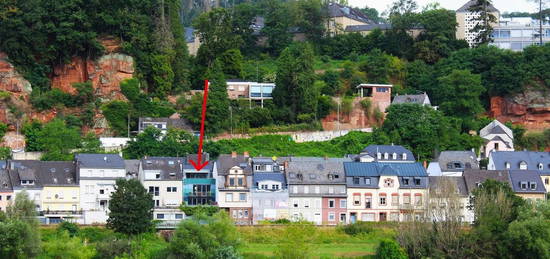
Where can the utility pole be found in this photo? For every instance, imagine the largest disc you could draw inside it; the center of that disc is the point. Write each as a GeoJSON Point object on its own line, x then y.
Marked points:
{"type": "Point", "coordinates": [231, 119]}
{"type": "Point", "coordinates": [540, 22]}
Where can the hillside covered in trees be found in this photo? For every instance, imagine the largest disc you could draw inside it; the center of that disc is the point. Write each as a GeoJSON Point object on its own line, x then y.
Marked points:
{"type": "Point", "coordinates": [41, 38]}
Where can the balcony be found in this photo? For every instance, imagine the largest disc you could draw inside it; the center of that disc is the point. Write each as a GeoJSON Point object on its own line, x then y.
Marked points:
{"type": "Point", "coordinates": [60, 212]}
{"type": "Point", "coordinates": [199, 194]}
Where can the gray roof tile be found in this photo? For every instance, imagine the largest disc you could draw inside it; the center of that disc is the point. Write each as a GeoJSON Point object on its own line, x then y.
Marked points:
{"type": "Point", "coordinates": [411, 98]}
{"type": "Point", "coordinates": [466, 159]}
{"type": "Point", "coordinates": [532, 158]}
{"type": "Point", "coordinates": [380, 168]}
{"type": "Point", "coordinates": [372, 151]}
{"type": "Point", "coordinates": [526, 176]}
{"type": "Point", "coordinates": [467, 5]}
{"type": "Point", "coordinates": [112, 161]}
{"type": "Point", "coordinates": [459, 182]}
{"type": "Point", "coordinates": [473, 177]}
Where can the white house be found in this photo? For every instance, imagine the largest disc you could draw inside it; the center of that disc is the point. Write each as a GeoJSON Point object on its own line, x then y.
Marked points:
{"type": "Point", "coordinates": [497, 137]}
{"type": "Point", "coordinates": [162, 177]}
{"type": "Point", "coordinates": [98, 174]}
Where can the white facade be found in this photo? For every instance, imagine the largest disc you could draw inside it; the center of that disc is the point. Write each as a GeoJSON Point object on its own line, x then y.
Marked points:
{"type": "Point", "coordinates": [165, 193]}
{"type": "Point", "coordinates": [96, 186]}
{"type": "Point", "coordinates": [518, 33]}
{"type": "Point", "coordinates": [497, 137]}
{"type": "Point", "coordinates": [306, 208]}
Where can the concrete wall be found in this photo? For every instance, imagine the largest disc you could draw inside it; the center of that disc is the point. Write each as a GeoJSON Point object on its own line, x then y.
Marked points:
{"type": "Point", "coordinates": [26, 155]}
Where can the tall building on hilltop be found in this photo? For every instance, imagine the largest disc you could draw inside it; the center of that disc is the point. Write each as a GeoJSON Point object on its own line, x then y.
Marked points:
{"type": "Point", "coordinates": [466, 22]}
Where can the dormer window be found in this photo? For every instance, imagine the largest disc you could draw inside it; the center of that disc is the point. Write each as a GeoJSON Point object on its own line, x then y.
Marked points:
{"type": "Point", "coordinates": [522, 165]}
{"type": "Point", "coordinates": [394, 156]}
{"type": "Point", "coordinates": [478, 184]}
{"type": "Point", "coordinates": [507, 165]}
{"type": "Point", "coordinates": [379, 155]}
{"type": "Point", "coordinates": [523, 185]}
{"type": "Point", "coordinates": [404, 156]}
{"type": "Point", "coordinates": [406, 181]}
{"type": "Point", "coordinates": [533, 186]}
{"type": "Point", "coordinates": [386, 156]}
{"type": "Point", "coordinates": [541, 167]}
{"type": "Point", "coordinates": [417, 181]}
{"type": "Point", "coordinates": [27, 182]}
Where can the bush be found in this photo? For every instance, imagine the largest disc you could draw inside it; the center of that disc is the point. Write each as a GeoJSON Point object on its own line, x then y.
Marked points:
{"type": "Point", "coordinates": [67, 247]}
{"type": "Point", "coordinates": [357, 228]}
{"type": "Point", "coordinates": [71, 228]}
{"type": "Point", "coordinates": [112, 247]}
{"type": "Point", "coordinates": [3, 130]}
{"type": "Point", "coordinates": [389, 249]}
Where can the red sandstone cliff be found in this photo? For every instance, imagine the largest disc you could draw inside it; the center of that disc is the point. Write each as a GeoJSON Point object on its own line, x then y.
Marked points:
{"type": "Point", "coordinates": [356, 119]}
{"type": "Point", "coordinates": [530, 109]}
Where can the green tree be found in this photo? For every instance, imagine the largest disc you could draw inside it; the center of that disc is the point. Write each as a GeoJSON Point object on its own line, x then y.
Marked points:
{"type": "Point", "coordinates": [91, 144]}
{"type": "Point", "coordinates": [231, 61]}
{"type": "Point", "coordinates": [57, 140]}
{"type": "Point", "coordinates": [5, 153]}
{"type": "Point", "coordinates": [162, 75]}
{"type": "Point", "coordinates": [277, 25]}
{"type": "Point", "coordinates": [206, 237]}
{"type": "Point", "coordinates": [462, 91]}
{"type": "Point", "coordinates": [3, 129]}
{"type": "Point", "coordinates": [131, 208]}
{"type": "Point", "coordinates": [295, 80]}
{"type": "Point", "coordinates": [19, 235]}
{"type": "Point", "coordinates": [31, 131]}
{"type": "Point", "coordinates": [377, 67]}
{"type": "Point", "coordinates": [312, 16]}
{"type": "Point", "coordinates": [116, 113]}
{"type": "Point", "coordinates": [390, 249]}
{"type": "Point", "coordinates": [483, 20]}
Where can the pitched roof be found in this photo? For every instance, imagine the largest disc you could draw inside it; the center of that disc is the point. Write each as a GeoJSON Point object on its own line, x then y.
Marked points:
{"type": "Point", "coordinates": [112, 161]}
{"type": "Point", "coordinates": [517, 177]}
{"type": "Point", "coordinates": [316, 170]}
{"type": "Point", "coordinates": [498, 138]}
{"type": "Point", "coordinates": [2, 164]}
{"type": "Point", "coordinates": [475, 177]}
{"type": "Point", "coordinates": [194, 157]}
{"type": "Point", "coordinates": [496, 127]}
{"type": "Point", "coordinates": [338, 10]}
{"type": "Point", "coordinates": [368, 27]}
{"type": "Point", "coordinates": [132, 166]}
{"type": "Point", "coordinates": [372, 150]}
{"type": "Point", "coordinates": [278, 177]}
{"type": "Point", "coordinates": [466, 159]}
{"type": "Point", "coordinates": [459, 182]}
{"type": "Point", "coordinates": [226, 162]}
{"type": "Point", "coordinates": [5, 183]}
{"type": "Point", "coordinates": [411, 98]}
{"type": "Point", "coordinates": [180, 123]}
{"type": "Point", "coordinates": [381, 168]}
{"type": "Point", "coordinates": [170, 168]}
{"type": "Point", "coordinates": [43, 173]}
{"type": "Point", "coordinates": [465, 8]}
{"type": "Point", "coordinates": [532, 158]}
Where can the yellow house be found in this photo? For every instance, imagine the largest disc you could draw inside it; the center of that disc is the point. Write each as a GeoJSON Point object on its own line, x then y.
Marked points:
{"type": "Point", "coordinates": [341, 17]}
{"type": "Point", "coordinates": [60, 197]}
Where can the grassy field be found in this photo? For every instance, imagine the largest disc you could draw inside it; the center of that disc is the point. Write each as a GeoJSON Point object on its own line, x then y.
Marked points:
{"type": "Point", "coordinates": [326, 242]}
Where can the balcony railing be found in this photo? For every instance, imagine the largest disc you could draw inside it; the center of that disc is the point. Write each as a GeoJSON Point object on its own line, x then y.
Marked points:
{"type": "Point", "coordinates": [60, 212]}
{"type": "Point", "coordinates": [199, 194]}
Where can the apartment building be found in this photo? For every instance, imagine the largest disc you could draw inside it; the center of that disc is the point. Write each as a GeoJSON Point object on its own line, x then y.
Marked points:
{"type": "Point", "coordinates": [270, 189]}
{"type": "Point", "coordinates": [466, 22]}
{"type": "Point", "coordinates": [199, 186]}
{"type": "Point", "coordinates": [517, 33]}
{"type": "Point", "coordinates": [234, 183]}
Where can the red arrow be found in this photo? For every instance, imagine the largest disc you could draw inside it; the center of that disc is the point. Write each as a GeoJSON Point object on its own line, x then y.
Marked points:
{"type": "Point", "coordinates": [199, 165]}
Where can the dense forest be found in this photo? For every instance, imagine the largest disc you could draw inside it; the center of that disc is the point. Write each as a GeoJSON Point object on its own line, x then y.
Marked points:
{"type": "Point", "coordinates": [38, 35]}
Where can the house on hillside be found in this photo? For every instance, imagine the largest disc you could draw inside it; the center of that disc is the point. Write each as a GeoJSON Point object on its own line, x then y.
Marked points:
{"type": "Point", "coordinates": [523, 160]}
{"type": "Point", "coordinates": [97, 174]}
{"type": "Point", "coordinates": [421, 99]}
{"type": "Point", "coordinates": [199, 186]}
{"type": "Point", "coordinates": [269, 189]}
{"type": "Point", "coordinates": [318, 190]}
{"type": "Point", "coordinates": [497, 137]}
{"type": "Point", "coordinates": [385, 191]}
{"type": "Point", "coordinates": [466, 22]}
{"type": "Point", "coordinates": [255, 93]}
{"type": "Point", "coordinates": [162, 177]}
{"type": "Point", "coordinates": [453, 163]}
{"type": "Point", "coordinates": [379, 94]}
{"type": "Point", "coordinates": [234, 183]}
{"type": "Point", "coordinates": [340, 17]}
{"type": "Point", "coordinates": [164, 124]}
{"type": "Point", "coordinates": [6, 189]}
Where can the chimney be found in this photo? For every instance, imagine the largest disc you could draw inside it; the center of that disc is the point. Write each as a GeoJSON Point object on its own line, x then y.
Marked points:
{"type": "Point", "coordinates": [326, 157]}
{"type": "Point", "coordinates": [233, 154]}
{"type": "Point", "coordinates": [245, 154]}
{"type": "Point", "coordinates": [105, 158]}
{"type": "Point", "coordinates": [425, 164]}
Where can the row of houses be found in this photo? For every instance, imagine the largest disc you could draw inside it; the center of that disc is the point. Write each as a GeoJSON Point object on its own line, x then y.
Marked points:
{"type": "Point", "coordinates": [382, 183]}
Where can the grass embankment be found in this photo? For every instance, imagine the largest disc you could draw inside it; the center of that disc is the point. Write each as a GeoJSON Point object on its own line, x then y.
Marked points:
{"type": "Point", "coordinates": [327, 242]}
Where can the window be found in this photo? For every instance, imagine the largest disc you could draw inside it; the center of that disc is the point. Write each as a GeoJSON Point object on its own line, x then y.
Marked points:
{"type": "Point", "coordinates": [395, 199]}
{"type": "Point", "coordinates": [416, 181]}
{"type": "Point", "coordinates": [152, 189]}
{"type": "Point", "coordinates": [386, 156]}
{"type": "Point", "coordinates": [171, 189]}
{"type": "Point", "coordinates": [523, 185]}
{"type": "Point", "coordinates": [368, 202]}
{"type": "Point", "coordinates": [356, 200]}
{"type": "Point", "coordinates": [533, 186]}
{"type": "Point", "coordinates": [240, 182]}
{"type": "Point", "coordinates": [179, 216]}
{"type": "Point", "coordinates": [331, 203]}
{"type": "Point", "coordinates": [317, 189]}
{"type": "Point", "coordinates": [343, 217]}
{"type": "Point", "coordinates": [242, 196]}
{"type": "Point", "coordinates": [0, 197]}
{"type": "Point", "coordinates": [275, 187]}
{"type": "Point", "coordinates": [160, 216]}
{"type": "Point", "coordinates": [101, 191]}
{"type": "Point", "coordinates": [231, 181]}
{"type": "Point", "coordinates": [418, 199]}
{"type": "Point", "coordinates": [381, 89]}
{"type": "Point", "coordinates": [541, 166]}
{"type": "Point", "coordinates": [229, 197]}
{"type": "Point", "coordinates": [367, 180]}
{"type": "Point", "coordinates": [295, 203]}
{"type": "Point", "coordinates": [331, 216]}
{"type": "Point", "coordinates": [449, 165]}
{"type": "Point", "coordinates": [367, 216]}
{"type": "Point", "coordinates": [383, 200]}
{"type": "Point", "coordinates": [157, 176]}
{"type": "Point", "coordinates": [523, 165]}
{"type": "Point", "coordinates": [343, 204]}
{"type": "Point", "coordinates": [406, 181]}
{"type": "Point", "coordinates": [265, 186]}
{"type": "Point", "coordinates": [8, 198]}
{"type": "Point", "coordinates": [388, 182]}
{"type": "Point", "coordinates": [406, 199]}
{"type": "Point", "coordinates": [394, 216]}
{"type": "Point", "coordinates": [306, 204]}
{"type": "Point", "coordinates": [546, 181]}
{"type": "Point", "coordinates": [295, 189]}
{"type": "Point", "coordinates": [394, 156]}
{"type": "Point", "coordinates": [355, 180]}
{"type": "Point", "coordinates": [379, 155]}
{"type": "Point", "coordinates": [507, 165]}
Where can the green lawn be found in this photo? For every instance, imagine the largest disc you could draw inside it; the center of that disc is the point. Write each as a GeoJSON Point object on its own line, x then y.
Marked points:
{"type": "Point", "coordinates": [348, 250]}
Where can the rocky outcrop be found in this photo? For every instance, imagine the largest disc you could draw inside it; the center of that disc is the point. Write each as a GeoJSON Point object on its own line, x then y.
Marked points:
{"type": "Point", "coordinates": [530, 109]}
{"type": "Point", "coordinates": [105, 73]}
{"type": "Point", "coordinates": [12, 83]}
{"type": "Point", "coordinates": [355, 119]}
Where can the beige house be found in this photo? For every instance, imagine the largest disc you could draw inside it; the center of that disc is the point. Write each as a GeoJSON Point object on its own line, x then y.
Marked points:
{"type": "Point", "coordinates": [341, 17]}
{"type": "Point", "coordinates": [235, 181]}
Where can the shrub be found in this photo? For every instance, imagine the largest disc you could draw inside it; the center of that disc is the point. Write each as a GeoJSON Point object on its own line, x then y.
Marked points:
{"type": "Point", "coordinates": [70, 227]}
{"type": "Point", "coordinates": [3, 130]}
{"type": "Point", "coordinates": [366, 104]}
{"type": "Point", "coordinates": [113, 247]}
{"type": "Point", "coordinates": [389, 249]}
{"type": "Point", "coordinates": [357, 228]}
